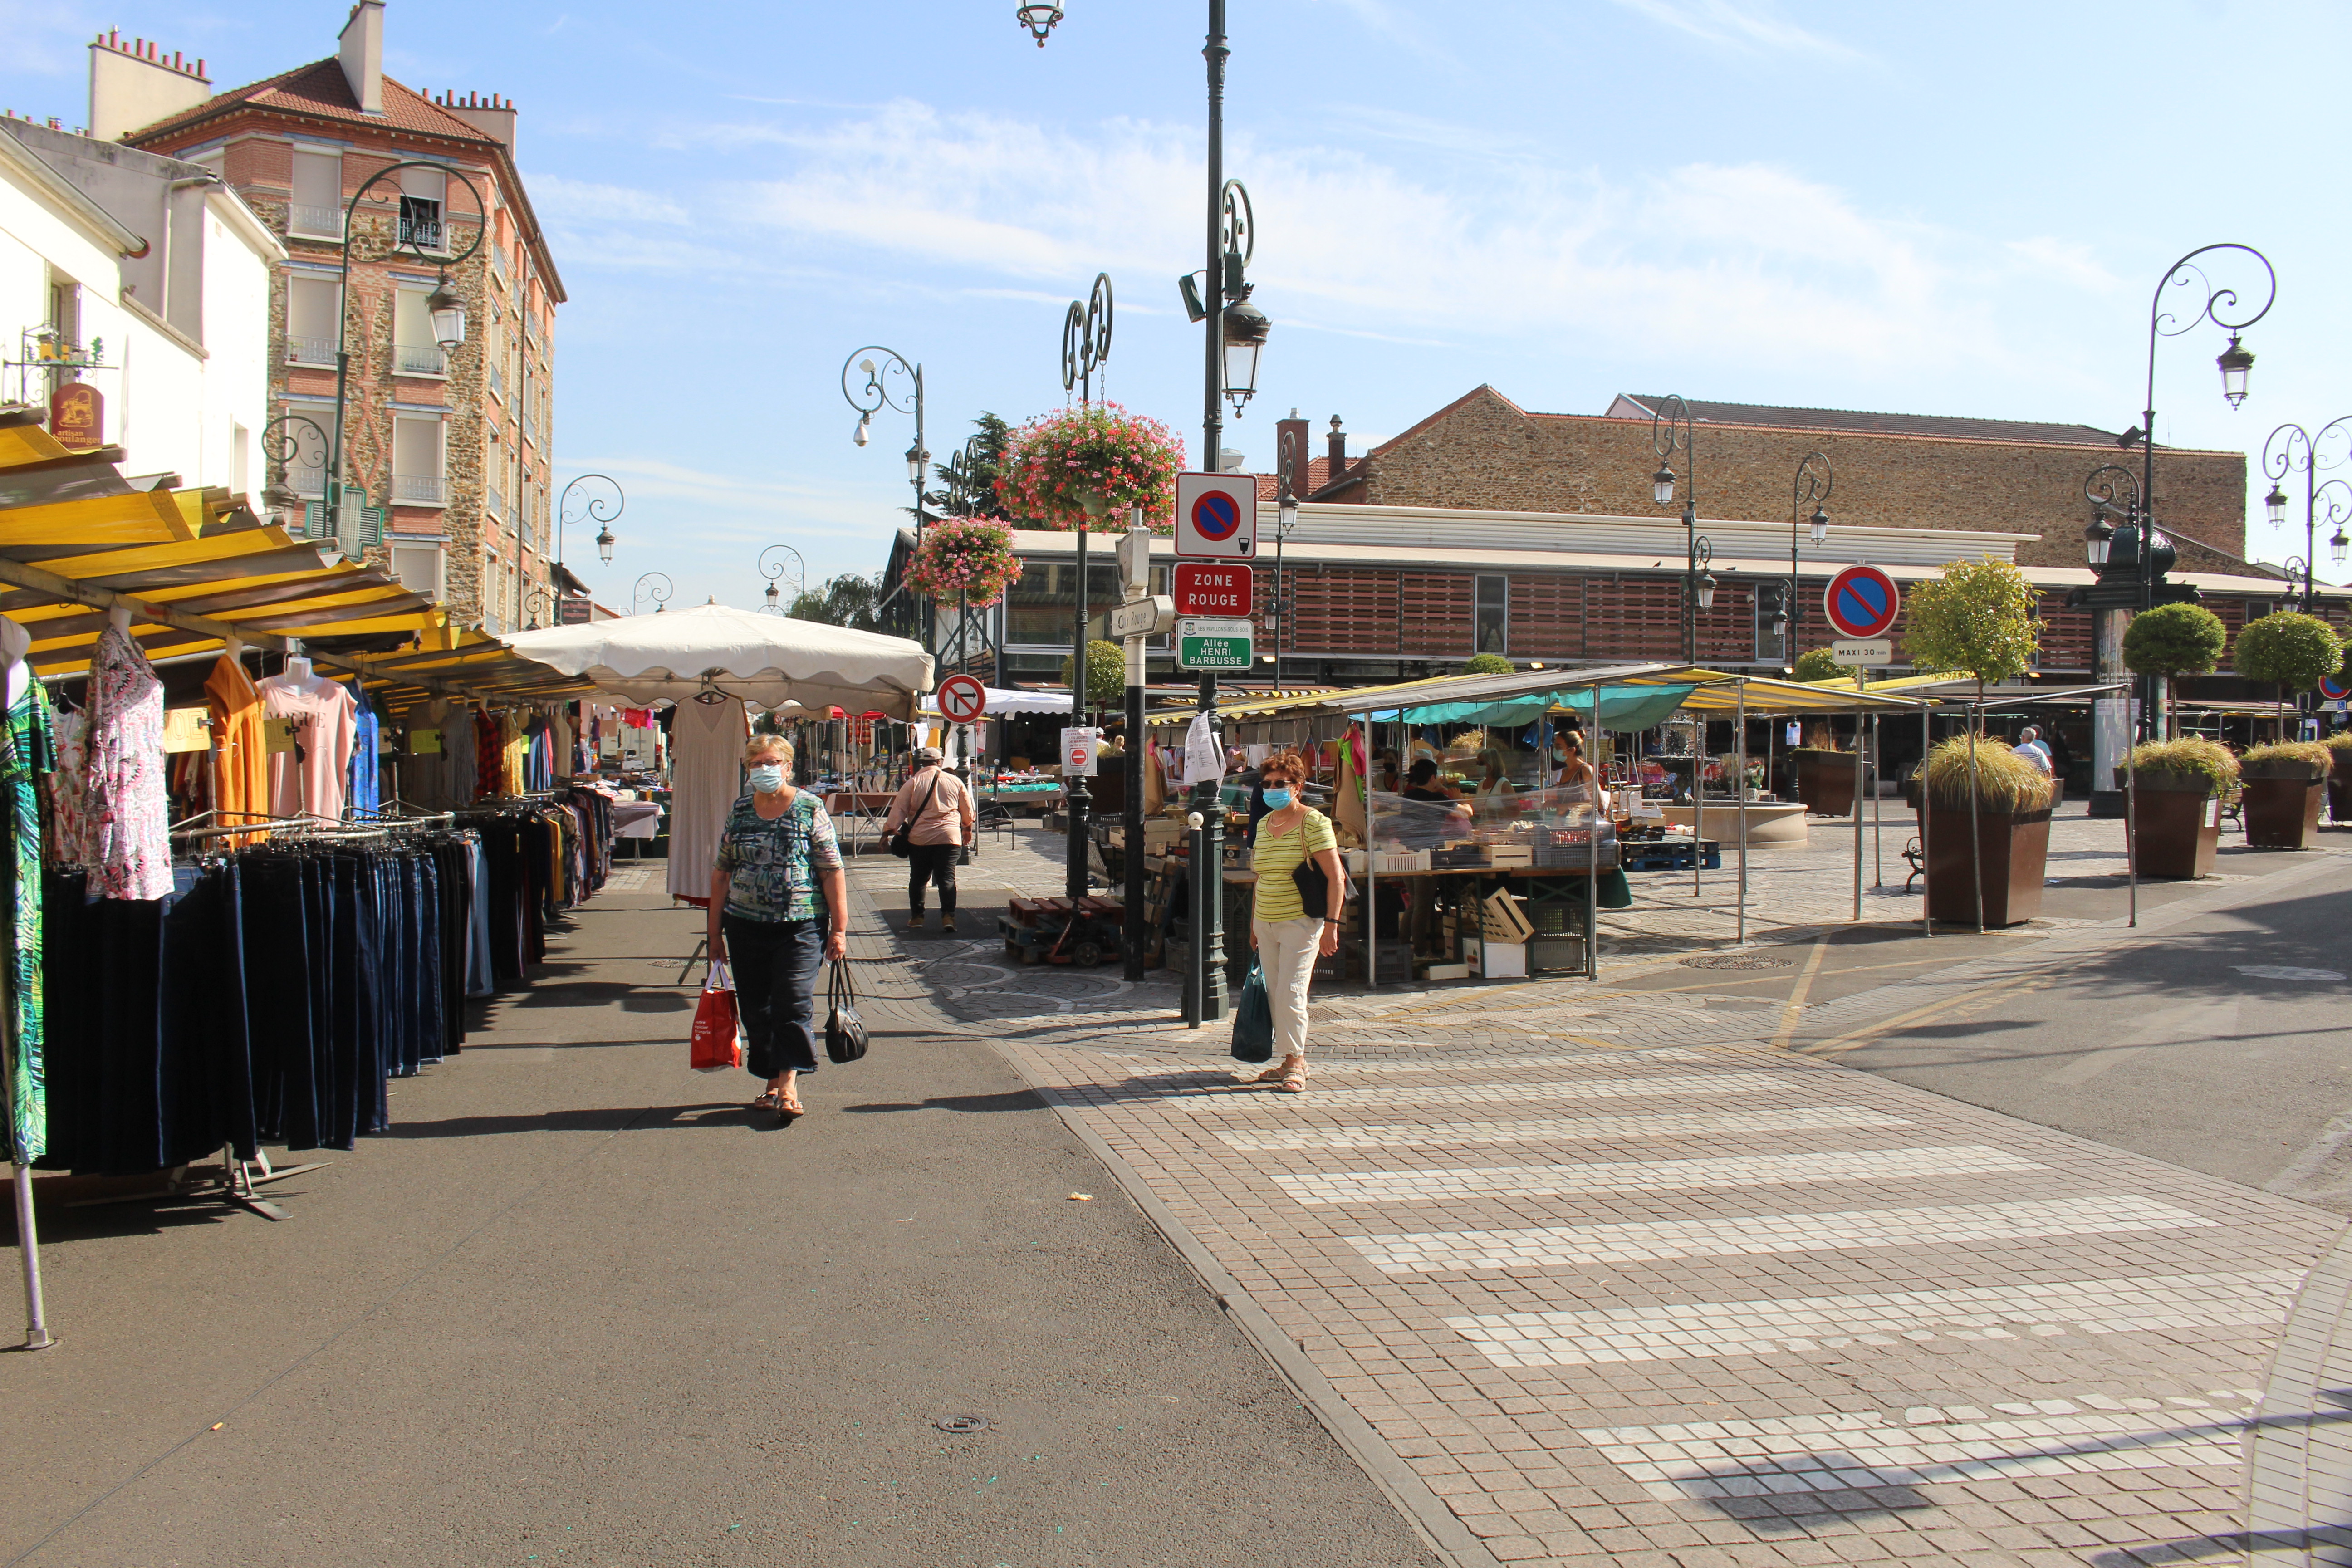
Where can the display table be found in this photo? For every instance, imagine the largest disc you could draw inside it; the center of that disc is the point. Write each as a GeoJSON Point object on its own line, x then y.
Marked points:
{"type": "Point", "coordinates": [1771, 825]}
{"type": "Point", "coordinates": [636, 820]}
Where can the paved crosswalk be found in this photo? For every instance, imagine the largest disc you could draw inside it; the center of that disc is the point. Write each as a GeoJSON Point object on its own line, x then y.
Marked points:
{"type": "Point", "coordinates": [1680, 1293]}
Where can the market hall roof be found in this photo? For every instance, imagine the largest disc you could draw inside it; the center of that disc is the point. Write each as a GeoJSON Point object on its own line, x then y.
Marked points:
{"type": "Point", "coordinates": [1775, 416]}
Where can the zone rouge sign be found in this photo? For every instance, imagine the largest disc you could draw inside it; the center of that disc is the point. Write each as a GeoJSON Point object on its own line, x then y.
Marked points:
{"type": "Point", "coordinates": [1204, 589]}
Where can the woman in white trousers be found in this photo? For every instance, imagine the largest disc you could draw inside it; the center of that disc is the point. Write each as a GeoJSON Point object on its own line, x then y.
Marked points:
{"type": "Point", "coordinates": [1288, 936]}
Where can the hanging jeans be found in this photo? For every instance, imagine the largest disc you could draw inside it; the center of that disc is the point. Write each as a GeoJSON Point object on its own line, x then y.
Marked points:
{"type": "Point", "coordinates": [775, 964]}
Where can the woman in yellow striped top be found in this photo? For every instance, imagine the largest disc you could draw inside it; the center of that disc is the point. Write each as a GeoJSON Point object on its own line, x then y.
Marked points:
{"type": "Point", "coordinates": [1286, 935]}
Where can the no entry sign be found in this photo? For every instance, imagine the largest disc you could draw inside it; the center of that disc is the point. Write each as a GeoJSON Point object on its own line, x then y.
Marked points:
{"type": "Point", "coordinates": [963, 699]}
{"type": "Point", "coordinates": [1861, 602]}
{"type": "Point", "coordinates": [1216, 516]}
{"type": "Point", "coordinates": [1202, 589]}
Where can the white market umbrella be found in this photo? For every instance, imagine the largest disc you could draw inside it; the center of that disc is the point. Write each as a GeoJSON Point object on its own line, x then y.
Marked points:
{"type": "Point", "coordinates": [1001, 702]}
{"type": "Point", "coordinates": [768, 661]}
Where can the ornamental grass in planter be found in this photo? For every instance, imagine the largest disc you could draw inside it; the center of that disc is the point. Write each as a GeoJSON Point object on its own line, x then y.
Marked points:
{"type": "Point", "coordinates": [2339, 775]}
{"type": "Point", "coordinates": [1987, 834]}
{"type": "Point", "coordinates": [2284, 785]}
{"type": "Point", "coordinates": [2176, 830]}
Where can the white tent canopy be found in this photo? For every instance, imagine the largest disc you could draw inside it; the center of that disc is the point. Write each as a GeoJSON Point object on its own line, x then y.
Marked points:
{"type": "Point", "coordinates": [768, 661]}
{"type": "Point", "coordinates": [1001, 702]}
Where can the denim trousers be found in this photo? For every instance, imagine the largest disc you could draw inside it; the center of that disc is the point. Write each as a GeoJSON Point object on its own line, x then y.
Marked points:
{"type": "Point", "coordinates": [775, 964]}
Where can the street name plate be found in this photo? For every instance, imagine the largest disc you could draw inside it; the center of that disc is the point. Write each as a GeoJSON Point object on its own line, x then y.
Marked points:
{"type": "Point", "coordinates": [1213, 644]}
{"type": "Point", "coordinates": [1862, 655]}
{"type": "Point", "coordinates": [1146, 617]}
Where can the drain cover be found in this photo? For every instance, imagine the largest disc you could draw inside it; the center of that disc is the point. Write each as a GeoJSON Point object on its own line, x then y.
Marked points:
{"type": "Point", "coordinates": [961, 1423]}
{"type": "Point", "coordinates": [1739, 960]}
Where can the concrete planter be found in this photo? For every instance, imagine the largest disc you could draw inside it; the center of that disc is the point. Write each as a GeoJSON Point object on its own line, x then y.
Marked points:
{"type": "Point", "coordinates": [2007, 867]}
{"type": "Point", "coordinates": [2282, 804]}
{"type": "Point", "coordinates": [1824, 781]}
{"type": "Point", "coordinates": [2178, 830]}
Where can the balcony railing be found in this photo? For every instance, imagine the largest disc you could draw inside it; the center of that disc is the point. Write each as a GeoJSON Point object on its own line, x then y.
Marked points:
{"type": "Point", "coordinates": [420, 223]}
{"type": "Point", "coordinates": [307, 478]}
{"type": "Point", "coordinates": [495, 501]}
{"type": "Point", "coordinates": [310, 351]}
{"type": "Point", "coordinates": [417, 490]}
{"type": "Point", "coordinates": [318, 223]}
{"type": "Point", "coordinates": [427, 360]}
{"type": "Point", "coordinates": [497, 383]}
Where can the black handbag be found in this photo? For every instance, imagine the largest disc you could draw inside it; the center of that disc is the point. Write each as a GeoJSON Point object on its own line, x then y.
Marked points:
{"type": "Point", "coordinates": [902, 843]}
{"type": "Point", "coordinates": [1313, 887]}
{"type": "Point", "coordinates": [845, 1031]}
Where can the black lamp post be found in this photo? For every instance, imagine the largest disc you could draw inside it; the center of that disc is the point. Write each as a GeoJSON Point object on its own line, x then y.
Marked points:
{"type": "Point", "coordinates": [422, 236]}
{"type": "Point", "coordinates": [595, 507]}
{"type": "Point", "coordinates": [659, 592]}
{"type": "Point", "coordinates": [2221, 307]}
{"type": "Point", "coordinates": [2279, 453]}
{"type": "Point", "coordinates": [774, 572]}
{"type": "Point", "coordinates": [1085, 346]}
{"type": "Point", "coordinates": [1671, 430]}
{"type": "Point", "coordinates": [282, 440]}
{"type": "Point", "coordinates": [878, 390]}
{"type": "Point", "coordinates": [1807, 490]}
{"type": "Point", "coordinates": [1235, 332]}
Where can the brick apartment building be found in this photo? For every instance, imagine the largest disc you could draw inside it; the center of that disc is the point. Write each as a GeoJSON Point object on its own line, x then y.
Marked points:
{"type": "Point", "coordinates": [452, 450]}
{"type": "Point", "coordinates": [1487, 529]}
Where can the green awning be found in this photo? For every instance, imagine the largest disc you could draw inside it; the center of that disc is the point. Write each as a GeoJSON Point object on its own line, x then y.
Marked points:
{"type": "Point", "coordinates": [1622, 708]}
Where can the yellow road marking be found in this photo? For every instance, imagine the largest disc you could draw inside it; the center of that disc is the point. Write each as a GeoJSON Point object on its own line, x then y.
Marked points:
{"type": "Point", "coordinates": [1795, 1005]}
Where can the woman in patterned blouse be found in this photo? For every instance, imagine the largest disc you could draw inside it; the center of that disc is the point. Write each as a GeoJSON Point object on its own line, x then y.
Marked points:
{"type": "Point", "coordinates": [779, 908]}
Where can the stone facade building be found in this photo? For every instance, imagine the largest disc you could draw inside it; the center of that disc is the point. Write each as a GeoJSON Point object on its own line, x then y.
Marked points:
{"type": "Point", "coordinates": [452, 450]}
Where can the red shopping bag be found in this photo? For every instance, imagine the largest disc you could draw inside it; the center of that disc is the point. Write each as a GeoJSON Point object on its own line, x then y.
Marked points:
{"type": "Point", "coordinates": [717, 1032]}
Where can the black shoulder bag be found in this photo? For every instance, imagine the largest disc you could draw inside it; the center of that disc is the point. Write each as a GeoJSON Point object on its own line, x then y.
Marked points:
{"type": "Point", "coordinates": [845, 1031]}
{"type": "Point", "coordinates": [902, 843]}
{"type": "Point", "coordinates": [1313, 887]}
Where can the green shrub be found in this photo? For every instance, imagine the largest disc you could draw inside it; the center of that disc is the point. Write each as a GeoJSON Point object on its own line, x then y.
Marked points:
{"type": "Point", "coordinates": [2289, 649]}
{"type": "Point", "coordinates": [1815, 664]}
{"type": "Point", "coordinates": [1105, 674]}
{"type": "Point", "coordinates": [2192, 755]}
{"type": "Point", "coordinates": [2174, 640]}
{"type": "Point", "coordinates": [2315, 753]}
{"type": "Point", "coordinates": [2005, 780]}
{"type": "Point", "coordinates": [1487, 664]}
{"type": "Point", "coordinates": [1977, 617]}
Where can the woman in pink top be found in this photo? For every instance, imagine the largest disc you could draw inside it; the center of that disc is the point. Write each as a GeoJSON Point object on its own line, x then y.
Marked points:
{"type": "Point", "coordinates": [939, 805]}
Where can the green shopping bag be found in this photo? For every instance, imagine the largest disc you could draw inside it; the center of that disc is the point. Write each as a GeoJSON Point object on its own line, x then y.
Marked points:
{"type": "Point", "coordinates": [1253, 1020]}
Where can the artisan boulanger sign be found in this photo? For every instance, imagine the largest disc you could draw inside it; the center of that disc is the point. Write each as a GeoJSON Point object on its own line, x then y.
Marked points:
{"type": "Point", "coordinates": [77, 416]}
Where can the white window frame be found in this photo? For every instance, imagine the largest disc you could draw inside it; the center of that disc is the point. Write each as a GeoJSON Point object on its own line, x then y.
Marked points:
{"type": "Point", "coordinates": [303, 218]}
{"type": "Point", "coordinates": [421, 490]}
{"type": "Point", "coordinates": [393, 546]}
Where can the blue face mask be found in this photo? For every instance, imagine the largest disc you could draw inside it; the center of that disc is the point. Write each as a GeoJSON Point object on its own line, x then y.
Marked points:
{"type": "Point", "coordinates": [1279, 797]}
{"type": "Point", "coordinates": [767, 778]}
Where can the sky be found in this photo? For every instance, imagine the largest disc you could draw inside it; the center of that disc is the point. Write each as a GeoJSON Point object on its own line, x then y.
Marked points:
{"type": "Point", "coordinates": [1959, 210]}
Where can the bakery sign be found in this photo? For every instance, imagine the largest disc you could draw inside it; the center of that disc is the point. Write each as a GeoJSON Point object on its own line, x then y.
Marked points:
{"type": "Point", "coordinates": [77, 416]}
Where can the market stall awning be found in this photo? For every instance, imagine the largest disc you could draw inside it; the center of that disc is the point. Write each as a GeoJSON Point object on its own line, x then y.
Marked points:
{"type": "Point", "coordinates": [770, 661]}
{"type": "Point", "coordinates": [1001, 702]}
{"type": "Point", "coordinates": [1765, 698]}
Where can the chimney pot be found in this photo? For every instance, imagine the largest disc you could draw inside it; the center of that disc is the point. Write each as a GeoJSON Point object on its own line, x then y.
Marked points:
{"type": "Point", "coordinates": [1338, 442]}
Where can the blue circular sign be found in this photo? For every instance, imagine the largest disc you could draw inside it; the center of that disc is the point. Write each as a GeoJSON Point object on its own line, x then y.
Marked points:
{"type": "Point", "coordinates": [2335, 687]}
{"type": "Point", "coordinates": [1216, 517]}
{"type": "Point", "coordinates": [1863, 602]}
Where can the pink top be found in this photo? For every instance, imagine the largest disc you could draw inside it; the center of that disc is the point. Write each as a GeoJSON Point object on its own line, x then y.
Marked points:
{"type": "Point", "coordinates": [310, 778]}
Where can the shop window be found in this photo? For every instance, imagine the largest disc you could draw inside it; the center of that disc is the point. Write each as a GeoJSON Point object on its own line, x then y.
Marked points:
{"type": "Point", "coordinates": [1493, 614]}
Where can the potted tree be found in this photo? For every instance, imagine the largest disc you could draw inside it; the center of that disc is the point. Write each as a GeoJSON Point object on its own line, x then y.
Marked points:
{"type": "Point", "coordinates": [2176, 819]}
{"type": "Point", "coordinates": [1986, 828]}
{"type": "Point", "coordinates": [1824, 774]}
{"type": "Point", "coordinates": [2172, 641]}
{"type": "Point", "coordinates": [2284, 785]}
{"type": "Point", "coordinates": [2339, 776]}
{"type": "Point", "coordinates": [2294, 652]}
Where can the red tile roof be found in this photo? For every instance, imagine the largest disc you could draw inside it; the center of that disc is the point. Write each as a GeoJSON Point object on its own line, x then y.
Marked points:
{"type": "Point", "coordinates": [321, 89]}
{"type": "Point", "coordinates": [1318, 474]}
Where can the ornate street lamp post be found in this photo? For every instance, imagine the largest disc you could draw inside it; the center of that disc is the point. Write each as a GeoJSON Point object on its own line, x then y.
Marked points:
{"type": "Point", "coordinates": [595, 507]}
{"type": "Point", "coordinates": [1671, 430]}
{"type": "Point", "coordinates": [774, 572]}
{"type": "Point", "coordinates": [659, 592]}
{"type": "Point", "coordinates": [2279, 459]}
{"type": "Point", "coordinates": [1809, 488]}
{"type": "Point", "coordinates": [1085, 346]}
{"type": "Point", "coordinates": [422, 237]}
{"type": "Point", "coordinates": [892, 382]}
{"type": "Point", "coordinates": [281, 442]}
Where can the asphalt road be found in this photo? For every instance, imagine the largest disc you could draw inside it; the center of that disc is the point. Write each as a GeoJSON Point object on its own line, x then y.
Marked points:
{"type": "Point", "coordinates": [2219, 1043]}
{"type": "Point", "coordinates": [582, 1308]}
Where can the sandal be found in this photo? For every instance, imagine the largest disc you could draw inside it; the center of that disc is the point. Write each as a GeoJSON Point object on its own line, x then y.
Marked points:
{"type": "Point", "coordinates": [1295, 1083]}
{"type": "Point", "coordinates": [789, 1111]}
{"type": "Point", "coordinates": [767, 1101]}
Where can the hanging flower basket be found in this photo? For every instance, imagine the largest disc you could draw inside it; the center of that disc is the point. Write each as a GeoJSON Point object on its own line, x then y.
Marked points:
{"type": "Point", "coordinates": [970, 560]}
{"type": "Point", "coordinates": [1087, 466]}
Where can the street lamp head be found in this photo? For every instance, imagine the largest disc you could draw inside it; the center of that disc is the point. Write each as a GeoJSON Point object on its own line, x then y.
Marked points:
{"type": "Point", "coordinates": [2337, 546]}
{"type": "Point", "coordinates": [447, 309]}
{"type": "Point", "coordinates": [1662, 486]}
{"type": "Point", "coordinates": [605, 545]}
{"type": "Point", "coordinates": [2235, 362]}
{"type": "Point", "coordinates": [2098, 538]}
{"type": "Point", "coordinates": [859, 434]}
{"type": "Point", "coordinates": [1820, 525]}
{"type": "Point", "coordinates": [2274, 504]}
{"type": "Point", "coordinates": [1287, 511]}
{"type": "Point", "coordinates": [1707, 591]}
{"type": "Point", "coordinates": [279, 496]}
{"type": "Point", "coordinates": [772, 597]}
{"type": "Point", "coordinates": [1247, 327]}
{"type": "Point", "coordinates": [916, 459]}
{"type": "Point", "coordinates": [1039, 18]}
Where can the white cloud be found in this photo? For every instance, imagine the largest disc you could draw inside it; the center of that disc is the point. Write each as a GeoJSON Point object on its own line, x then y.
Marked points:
{"type": "Point", "coordinates": [1755, 27]}
{"type": "Point", "coordinates": [1725, 261]}
{"type": "Point", "coordinates": [557, 198]}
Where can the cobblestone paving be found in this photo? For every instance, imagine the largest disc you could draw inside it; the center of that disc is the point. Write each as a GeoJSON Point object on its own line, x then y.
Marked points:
{"type": "Point", "coordinates": [1625, 1283]}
